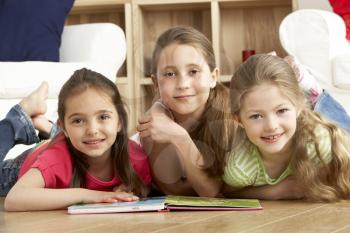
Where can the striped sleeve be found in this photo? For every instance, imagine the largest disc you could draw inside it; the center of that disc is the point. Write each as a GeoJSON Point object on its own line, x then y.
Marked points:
{"type": "Point", "coordinates": [241, 168]}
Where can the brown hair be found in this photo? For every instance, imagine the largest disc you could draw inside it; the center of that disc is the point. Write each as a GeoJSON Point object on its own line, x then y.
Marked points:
{"type": "Point", "coordinates": [81, 81]}
{"type": "Point", "coordinates": [321, 182]}
{"type": "Point", "coordinates": [213, 134]}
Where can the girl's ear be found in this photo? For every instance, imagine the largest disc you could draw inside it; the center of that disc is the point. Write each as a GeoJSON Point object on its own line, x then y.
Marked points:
{"type": "Point", "coordinates": [61, 125]}
{"type": "Point", "coordinates": [119, 127]}
{"type": "Point", "coordinates": [238, 120]}
{"type": "Point", "coordinates": [155, 82]}
{"type": "Point", "coordinates": [215, 76]}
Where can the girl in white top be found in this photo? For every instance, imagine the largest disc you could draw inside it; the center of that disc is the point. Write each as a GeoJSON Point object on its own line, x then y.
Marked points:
{"type": "Point", "coordinates": [187, 148]}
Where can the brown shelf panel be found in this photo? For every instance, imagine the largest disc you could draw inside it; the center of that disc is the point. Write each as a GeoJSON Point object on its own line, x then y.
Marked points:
{"type": "Point", "coordinates": [158, 19]}
{"type": "Point", "coordinates": [97, 5]}
{"type": "Point", "coordinates": [146, 81]}
{"type": "Point", "coordinates": [254, 3]}
{"type": "Point", "coordinates": [245, 28]}
{"type": "Point", "coordinates": [122, 80]}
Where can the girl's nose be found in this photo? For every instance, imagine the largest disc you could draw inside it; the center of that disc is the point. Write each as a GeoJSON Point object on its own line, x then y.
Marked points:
{"type": "Point", "coordinates": [271, 123]}
{"type": "Point", "coordinates": [184, 82]}
{"type": "Point", "coordinates": [92, 128]}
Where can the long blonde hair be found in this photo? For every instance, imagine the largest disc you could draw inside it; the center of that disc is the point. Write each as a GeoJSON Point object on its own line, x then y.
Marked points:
{"type": "Point", "coordinates": [213, 134]}
{"type": "Point", "coordinates": [321, 182]}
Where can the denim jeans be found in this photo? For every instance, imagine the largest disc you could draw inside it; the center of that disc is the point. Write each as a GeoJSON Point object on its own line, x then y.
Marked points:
{"type": "Point", "coordinates": [16, 128]}
{"type": "Point", "coordinates": [9, 170]}
{"type": "Point", "coordinates": [331, 109]}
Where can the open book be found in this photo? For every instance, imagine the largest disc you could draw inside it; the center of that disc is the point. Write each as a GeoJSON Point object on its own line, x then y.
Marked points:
{"type": "Point", "coordinates": [166, 204]}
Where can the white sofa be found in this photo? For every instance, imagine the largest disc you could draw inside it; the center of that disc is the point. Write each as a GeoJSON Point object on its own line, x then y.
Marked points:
{"type": "Point", "coordinates": [317, 39]}
{"type": "Point", "coordinates": [100, 47]}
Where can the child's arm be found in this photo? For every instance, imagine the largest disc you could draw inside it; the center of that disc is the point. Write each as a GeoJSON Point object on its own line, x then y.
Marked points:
{"type": "Point", "coordinates": [192, 159]}
{"type": "Point", "coordinates": [287, 189]}
{"type": "Point", "coordinates": [157, 109]}
{"type": "Point", "coordinates": [29, 194]}
{"type": "Point", "coordinates": [171, 151]}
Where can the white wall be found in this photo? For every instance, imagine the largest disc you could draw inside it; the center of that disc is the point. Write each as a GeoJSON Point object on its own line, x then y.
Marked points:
{"type": "Point", "coordinates": [314, 4]}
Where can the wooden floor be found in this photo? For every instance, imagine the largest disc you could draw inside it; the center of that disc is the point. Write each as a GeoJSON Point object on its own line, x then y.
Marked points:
{"type": "Point", "coordinates": [278, 216]}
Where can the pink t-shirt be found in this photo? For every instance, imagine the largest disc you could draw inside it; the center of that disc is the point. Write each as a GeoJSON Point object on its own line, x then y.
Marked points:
{"type": "Point", "coordinates": [56, 166]}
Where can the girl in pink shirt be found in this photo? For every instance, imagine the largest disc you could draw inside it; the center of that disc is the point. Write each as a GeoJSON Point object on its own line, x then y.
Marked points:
{"type": "Point", "coordinates": [91, 161]}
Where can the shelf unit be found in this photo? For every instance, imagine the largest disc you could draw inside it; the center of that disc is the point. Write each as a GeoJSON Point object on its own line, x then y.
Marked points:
{"type": "Point", "coordinates": [231, 25]}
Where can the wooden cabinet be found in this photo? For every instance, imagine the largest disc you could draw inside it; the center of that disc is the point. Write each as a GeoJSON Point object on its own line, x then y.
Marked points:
{"type": "Point", "coordinates": [231, 25]}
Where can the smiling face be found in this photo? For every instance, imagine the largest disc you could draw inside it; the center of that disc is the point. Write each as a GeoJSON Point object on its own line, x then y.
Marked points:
{"type": "Point", "coordinates": [91, 123]}
{"type": "Point", "coordinates": [184, 80]}
{"type": "Point", "coordinates": [269, 119]}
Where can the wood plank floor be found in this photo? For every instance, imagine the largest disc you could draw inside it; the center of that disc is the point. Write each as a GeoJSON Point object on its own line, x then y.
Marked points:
{"type": "Point", "coordinates": [277, 216]}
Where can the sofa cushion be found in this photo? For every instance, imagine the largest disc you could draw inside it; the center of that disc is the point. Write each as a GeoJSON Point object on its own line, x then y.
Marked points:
{"type": "Point", "coordinates": [13, 76]}
{"type": "Point", "coordinates": [31, 29]}
{"type": "Point", "coordinates": [314, 37]}
{"type": "Point", "coordinates": [341, 71]}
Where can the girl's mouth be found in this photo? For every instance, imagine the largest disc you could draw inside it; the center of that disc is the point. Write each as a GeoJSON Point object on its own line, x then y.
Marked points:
{"type": "Point", "coordinates": [183, 97]}
{"type": "Point", "coordinates": [93, 142]}
{"type": "Point", "coordinates": [272, 138]}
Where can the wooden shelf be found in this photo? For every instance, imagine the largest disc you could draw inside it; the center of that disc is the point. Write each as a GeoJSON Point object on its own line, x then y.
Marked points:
{"type": "Point", "coordinates": [225, 78]}
{"type": "Point", "coordinates": [249, 27]}
{"type": "Point", "coordinates": [231, 25]}
{"type": "Point", "coordinates": [254, 3]}
{"type": "Point", "coordinates": [78, 4]}
{"type": "Point", "coordinates": [122, 80]}
{"type": "Point", "coordinates": [146, 81]}
{"type": "Point", "coordinates": [158, 18]}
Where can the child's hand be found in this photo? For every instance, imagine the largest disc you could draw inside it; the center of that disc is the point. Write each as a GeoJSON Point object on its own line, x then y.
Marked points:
{"type": "Point", "coordinates": [122, 188]}
{"type": "Point", "coordinates": [110, 197]}
{"type": "Point", "coordinates": [159, 108]}
{"type": "Point", "coordinates": [159, 127]}
{"type": "Point", "coordinates": [290, 189]}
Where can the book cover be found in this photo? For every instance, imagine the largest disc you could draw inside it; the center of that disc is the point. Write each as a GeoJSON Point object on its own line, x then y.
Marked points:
{"type": "Point", "coordinates": [166, 204]}
{"type": "Point", "coordinates": [208, 203]}
{"type": "Point", "coordinates": [147, 204]}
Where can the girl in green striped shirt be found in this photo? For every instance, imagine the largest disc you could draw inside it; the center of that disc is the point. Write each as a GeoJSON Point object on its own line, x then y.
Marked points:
{"type": "Point", "coordinates": [280, 136]}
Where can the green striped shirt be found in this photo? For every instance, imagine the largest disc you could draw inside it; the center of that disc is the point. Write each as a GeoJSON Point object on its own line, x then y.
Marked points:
{"type": "Point", "coordinates": [245, 166]}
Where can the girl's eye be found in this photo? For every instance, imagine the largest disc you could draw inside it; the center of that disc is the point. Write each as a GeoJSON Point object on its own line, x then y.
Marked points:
{"type": "Point", "coordinates": [194, 72]}
{"type": "Point", "coordinates": [105, 117]}
{"type": "Point", "coordinates": [169, 74]}
{"type": "Point", "coordinates": [255, 116]}
{"type": "Point", "coordinates": [77, 121]}
{"type": "Point", "coordinates": [282, 110]}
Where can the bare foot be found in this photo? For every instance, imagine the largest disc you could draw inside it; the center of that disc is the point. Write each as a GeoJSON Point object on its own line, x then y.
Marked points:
{"type": "Point", "coordinates": [42, 124]}
{"type": "Point", "coordinates": [35, 103]}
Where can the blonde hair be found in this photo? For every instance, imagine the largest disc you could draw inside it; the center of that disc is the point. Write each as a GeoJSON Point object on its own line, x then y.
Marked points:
{"type": "Point", "coordinates": [213, 134]}
{"type": "Point", "coordinates": [321, 182]}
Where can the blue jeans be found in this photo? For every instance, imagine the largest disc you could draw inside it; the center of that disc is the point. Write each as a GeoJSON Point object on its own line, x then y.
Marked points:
{"type": "Point", "coordinates": [9, 170]}
{"type": "Point", "coordinates": [331, 109]}
{"type": "Point", "coordinates": [16, 128]}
